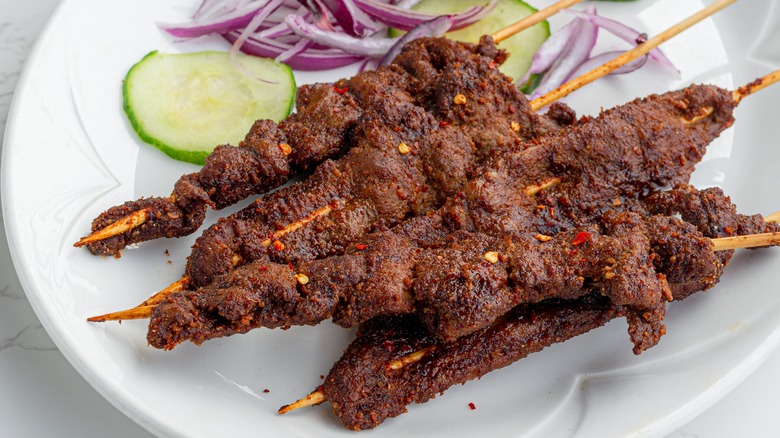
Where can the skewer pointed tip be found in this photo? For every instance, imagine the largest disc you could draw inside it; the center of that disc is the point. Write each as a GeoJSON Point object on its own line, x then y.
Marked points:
{"type": "Point", "coordinates": [174, 287]}
{"type": "Point", "coordinates": [123, 225]}
{"type": "Point", "coordinates": [315, 398]}
{"type": "Point", "coordinates": [141, 312]}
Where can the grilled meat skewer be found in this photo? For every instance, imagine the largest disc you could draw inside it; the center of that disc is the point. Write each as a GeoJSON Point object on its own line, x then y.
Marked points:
{"type": "Point", "coordinates": [320, 130]}
{"type": "Point", "coordinates": [364, 391]}
{"type": "Point", "coordinates": [460, 284]}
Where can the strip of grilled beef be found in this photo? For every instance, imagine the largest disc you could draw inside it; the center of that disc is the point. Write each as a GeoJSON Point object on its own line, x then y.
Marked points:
{"type": "Point", "coordinates": [453, 286]}
{"type": "Point", "coordinates": [621, 154]}
{"type": "Point", "coordinates": [326, 116]}
{"type": "Point", "coordinates": [364, 392]}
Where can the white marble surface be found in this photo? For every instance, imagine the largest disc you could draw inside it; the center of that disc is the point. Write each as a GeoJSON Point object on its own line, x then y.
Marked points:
{"type": "Point", "coordinates": [41, 395]}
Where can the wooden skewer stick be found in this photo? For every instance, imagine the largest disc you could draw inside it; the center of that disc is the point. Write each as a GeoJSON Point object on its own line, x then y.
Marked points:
{"type": "Point", "coordinates": [125, 224]}
{"type": "Point", "coordinates": [143, 310]}
{"type": "Point", "coordinates": [315, 398]}
{"type": "Point", "coordinates": [749, 241]}
{"type": "Point", "coordinates": [409, 359]}
{"type": "Point", "coordinates": [532, 19]}
{"type": "Point", "coordinates": [140, 312]}
{"type": "Point", "coordinates": [760, 83]}
{"type": "Point", "coordinates": [640, 50]}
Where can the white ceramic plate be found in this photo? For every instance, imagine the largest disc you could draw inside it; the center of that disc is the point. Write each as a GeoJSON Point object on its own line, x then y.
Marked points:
{"type": "Point", "coordinates": [69, 154]}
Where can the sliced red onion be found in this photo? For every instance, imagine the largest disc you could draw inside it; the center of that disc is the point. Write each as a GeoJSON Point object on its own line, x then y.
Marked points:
{"type": "Point", "coordinates": [214, 7]}
{"type": "Point", "coordinates": [310, 60]}
{"type": "Point", "coordinates": [552, 49]}
{"type": "Point", "coordinates": [436, 27]}
{"type": "Point", "coordinates": [405, 19]}
{"type": "Point", "coordinates": [350, 17]}
{"type": "Point", "coordinates": [620, 30]}
{"type": "Point", "coordinates": [267, 10]}
{"type": "Point", "coordinates": [295, 50]}
{"type": "Point", "coordinates": [275, 31]}
{"type": "Point", "coordinates": [576, 51]}
{"type": "Point", "coordinates": [233, 20]}
{"type": "Point", "coordinates": [371, 47]}
{"type": "Point", "coordinates": [603, 58]}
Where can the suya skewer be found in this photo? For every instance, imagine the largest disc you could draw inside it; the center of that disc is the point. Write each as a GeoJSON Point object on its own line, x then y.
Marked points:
{"type": "Point", "coordinates": [456, 287]}
{"type": "Point", "coordinates": [265, 165]}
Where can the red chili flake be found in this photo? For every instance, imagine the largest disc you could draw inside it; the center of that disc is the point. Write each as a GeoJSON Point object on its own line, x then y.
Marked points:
{"type": "Point", "coordinates": [388, 346]}
{"type": "Point", "coordinates": [322, 377]}
{"type": "Point", "coordinates": [512, 109]}
{"type": "Point", "coordinates": [339, 90]}
{"type": "Point", "coordinates": [492, 65]}
{"type": "Point", "coordinates": [263, 268]}
{"type": "Point", "coordinates": [573, 252]}
{"type": "Point", "coordinates": [361, 246]}
{"type": "Point", "coordinates": [442, 124]}
{"type": "Point", "coordinates": [290, 265]}
{"type": "Point", "coordinates": [472, 406]}
{"type": "Point", "coordinates": [580, 238]}
{"type": "Point", "coordinates": [390, 333]}
{"type": "Point", "coordinates": [266, 390]}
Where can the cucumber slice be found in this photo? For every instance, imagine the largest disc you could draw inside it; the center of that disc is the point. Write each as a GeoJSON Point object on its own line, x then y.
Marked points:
{"type": "Point", "coordinates": [186, 104]}
{"type": "Point", "coordinates": [521, 47]}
